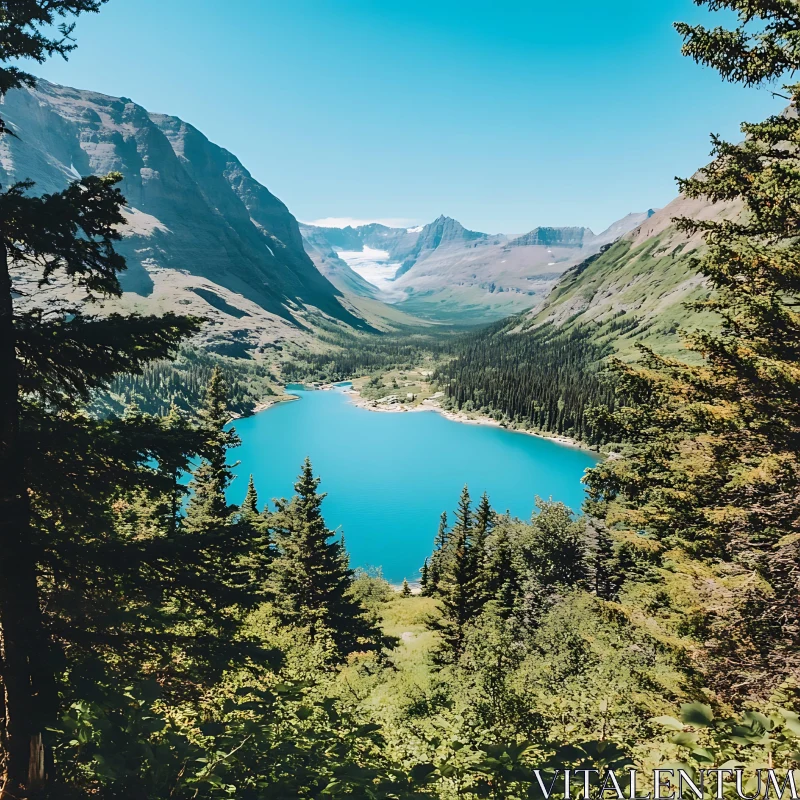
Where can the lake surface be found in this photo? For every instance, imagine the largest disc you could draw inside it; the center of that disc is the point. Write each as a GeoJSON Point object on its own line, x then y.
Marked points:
{"type": "Point", "coordinates": [390, 476]}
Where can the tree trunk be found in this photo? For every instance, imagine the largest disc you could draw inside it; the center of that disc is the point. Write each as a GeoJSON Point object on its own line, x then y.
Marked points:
{"type": "Point", "coordinates": [22, 650]}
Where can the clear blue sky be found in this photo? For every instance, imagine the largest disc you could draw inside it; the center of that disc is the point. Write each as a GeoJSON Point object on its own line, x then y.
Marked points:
{"type": "Point", "coordinates": [505, 115]}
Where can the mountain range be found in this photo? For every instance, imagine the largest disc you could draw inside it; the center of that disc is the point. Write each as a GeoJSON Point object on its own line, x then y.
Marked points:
{"type": "Point", "coordinates": [445, 272]}
{"type": "Point", "coordinates": [204, 237]}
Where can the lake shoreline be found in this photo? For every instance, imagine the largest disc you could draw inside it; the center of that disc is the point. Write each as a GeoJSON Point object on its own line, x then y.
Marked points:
{"type": "Point", "coordinates": [388, 478]}
{"type": "Point", "coordinates": [455, 416]}
{"type": "Point", "coordinates": [263, 405]}
{"type": "Point", "coordinates": [427, 405]}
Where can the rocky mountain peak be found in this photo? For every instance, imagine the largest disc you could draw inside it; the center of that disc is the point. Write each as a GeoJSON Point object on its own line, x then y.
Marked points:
{"type": "Point", "coordinates": [553, 237]}
{"type": "Point", "coordinates": [444, 230]}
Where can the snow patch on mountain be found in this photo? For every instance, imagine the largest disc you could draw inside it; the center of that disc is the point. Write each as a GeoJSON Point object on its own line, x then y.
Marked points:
{"type": "Point", "coordinates": [375, 266]}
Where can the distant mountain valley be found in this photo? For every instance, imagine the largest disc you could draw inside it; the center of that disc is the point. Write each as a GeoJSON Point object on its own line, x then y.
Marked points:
{"type": "Point", "coordinates": [445, 272]}
{"type": "Point", "coordinates": [204, 237]}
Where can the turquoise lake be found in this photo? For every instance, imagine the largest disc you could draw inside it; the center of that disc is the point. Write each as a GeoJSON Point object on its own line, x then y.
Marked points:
{"type": "Point", "coordinates": [389, 476]}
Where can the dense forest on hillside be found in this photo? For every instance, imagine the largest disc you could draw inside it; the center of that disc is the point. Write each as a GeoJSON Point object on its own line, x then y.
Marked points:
{"type": "Point", "coordinates": [159, 643]}
{"type": "Point", "coordinates": [544, 378]}
{"type": "Point", "coordinates": [350, 355]}
{"type": "Point", "coordinates": [182, 382]}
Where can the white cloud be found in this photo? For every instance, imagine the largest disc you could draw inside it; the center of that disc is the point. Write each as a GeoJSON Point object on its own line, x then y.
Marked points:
{"type": "Point", "coordinates": [343, 222]}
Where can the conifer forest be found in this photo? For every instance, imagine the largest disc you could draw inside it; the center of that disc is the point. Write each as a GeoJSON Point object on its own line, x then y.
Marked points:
{"type": "Point", "coordinates": [158, 642]}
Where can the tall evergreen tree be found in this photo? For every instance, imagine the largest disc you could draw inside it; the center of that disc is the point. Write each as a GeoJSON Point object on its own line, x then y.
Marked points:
{"type": "Point", "coordinates": [50, 362]}
{"type": "Point", "coordinates": [254, 527]}
{"type": "Point", "coordinates": [208, 506]}
{"type": "Point", "coordinates": [424, 579]}
{"type": "Point", "coordinates": [249, 506]}
{"type": "Point", "coordinates": [439, 555]}
{"type": "Point", "coordinates": [458, 584]}
{"type": "Point", "coordinates": [311, 577]}
{"type": "Point", "coordinates": [463, 515]}
{"type": "Point", "coordinates": [604, 563]}
{"type": "Point", "coordinates": [484, 524]}
{"type": "Point", "coordinates": [232, 550]}
{"type": "Point", "coordinates": [172, 464]}
{"type": "Point", "coordinates": [502, 583]}
{"type": "Point", "coordinates": [713, 463]}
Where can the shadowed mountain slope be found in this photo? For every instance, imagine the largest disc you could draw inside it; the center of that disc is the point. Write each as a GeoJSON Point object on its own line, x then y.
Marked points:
{"type": "Point", "coordinates": [193, 207]}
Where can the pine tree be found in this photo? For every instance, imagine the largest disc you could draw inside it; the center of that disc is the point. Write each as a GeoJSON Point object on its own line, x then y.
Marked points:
{"type": "Point", "coordinates": [463, 514]}
{"type": "Point", "coordinates": [210, 567]}
{"type": "Point", "coordinates": [484, 523]}
{"type": "Point", "coordinates": [254, 527]}
{"type": "Point", "coordinates": [406, 590]}
{"type": "Point", "coordinates": [604, 563]}
{"type": "Point", "coordinates": [50, 361]}
{"type": "Point", "coordinates": [457, 586]}
{"type": "Point", "coordinates": [713, 463]}
{"type": "Point", "coordinates": [177, 429]}
{"type": "Point", "coordinates": [208, 506]}
{"type": "Point", "coordinates": [311, 577]}
{"type": "Point", "coordinates": [424, 578]}
{"type": "Point", "coordinates": [249, 506]}
{"type": "Point", "coordinates": [439, 555]}
{"type": "Point", "coordinates": [502, 578]}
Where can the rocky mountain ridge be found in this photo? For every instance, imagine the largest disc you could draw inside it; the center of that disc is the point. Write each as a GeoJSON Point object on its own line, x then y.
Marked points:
{"type": "Point", "coordinates": [446, 272]}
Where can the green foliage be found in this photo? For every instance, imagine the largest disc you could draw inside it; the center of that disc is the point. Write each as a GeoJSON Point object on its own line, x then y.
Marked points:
{"type": "Point", "coordinates": [349, 355]}
{"type": "Point", "coordinates": [60, 468]}
{"type": "Point", "coordinates": [438, 557]}
{"type": "Point", "coordinates": [208, 506]}
{"type": "Point", "coordinates": [763, 46]}
{"type": "Point", "coordinates": [162, 384]}
{"type": "Point", "coordinates": [713, 464]}
{"type": "Point", "coordinates": [161, 649]}
{"type": "Point", "coordinates": [542, 378]}
{"type": "Point", "coordinates": [459, 583]}
{"type": "Point", "coordinates": [755, 739]}
{"type": "Point", "coordinates": [311, 577]}
{"type": "Point", "coordinates": [556, 547]}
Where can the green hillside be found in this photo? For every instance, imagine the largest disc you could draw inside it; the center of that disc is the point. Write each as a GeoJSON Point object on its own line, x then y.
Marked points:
{"type": "Point", "coordinates": [543, 370]}
{"type": "Point", "coordinates": [637, 289]}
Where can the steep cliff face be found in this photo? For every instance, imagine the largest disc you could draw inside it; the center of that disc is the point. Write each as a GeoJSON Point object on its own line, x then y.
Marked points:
{"type": "Point", "coordinates": [552, 237]}
{"type": "Point", "coordinates": [445, 233]}
{"type": "Point", "coordinates": [193, 207]}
